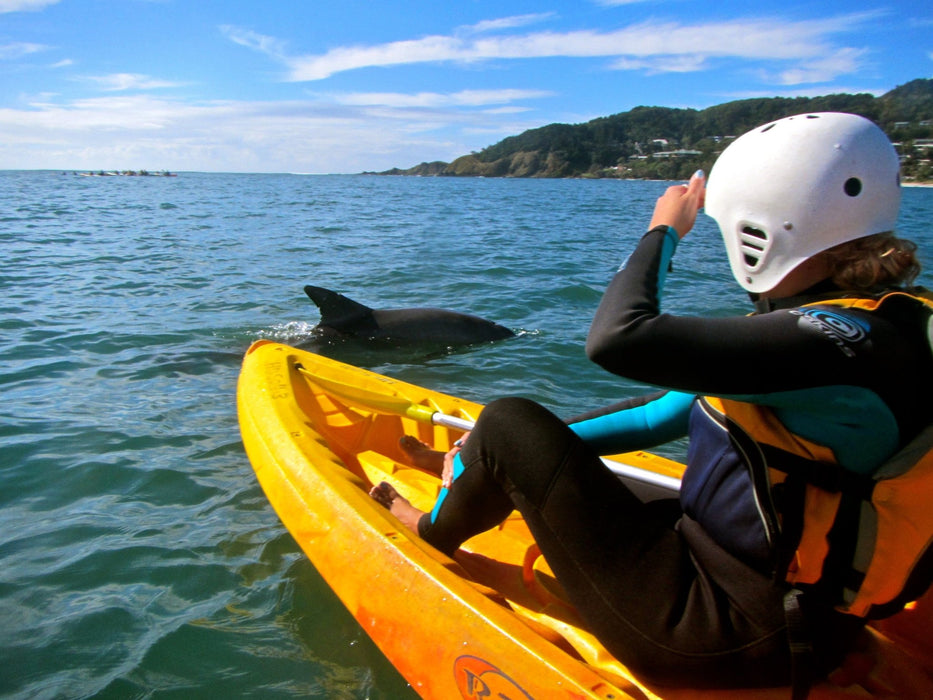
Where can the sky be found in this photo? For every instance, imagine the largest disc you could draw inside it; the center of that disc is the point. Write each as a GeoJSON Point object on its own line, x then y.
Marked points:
{"type": "Point", "coordinates": [345, 86]}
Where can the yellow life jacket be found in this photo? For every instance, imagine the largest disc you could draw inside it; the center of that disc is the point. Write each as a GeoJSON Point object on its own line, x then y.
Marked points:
{"type": "Point", "coordinates": [867, 541]}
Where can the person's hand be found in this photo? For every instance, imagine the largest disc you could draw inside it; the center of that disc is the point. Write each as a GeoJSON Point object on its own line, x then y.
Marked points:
{"type": "Point", "coordinates": [447, 475]}
{"type": "Point", "coordinates": [679, 205]}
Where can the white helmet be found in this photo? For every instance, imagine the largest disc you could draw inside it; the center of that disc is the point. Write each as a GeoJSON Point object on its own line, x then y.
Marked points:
{"type": "Point", "coordinates": [795, 187]}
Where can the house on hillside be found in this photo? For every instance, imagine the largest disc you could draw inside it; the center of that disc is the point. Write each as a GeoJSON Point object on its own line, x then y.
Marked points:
{"type": "Point", "coordinates": [679, 153]}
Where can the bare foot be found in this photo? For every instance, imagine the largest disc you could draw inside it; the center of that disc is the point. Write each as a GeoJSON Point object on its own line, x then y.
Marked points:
{"type": "Point", "coordinates": [385, 494]}
{"type": "Point", "coordinates": [422, 456]}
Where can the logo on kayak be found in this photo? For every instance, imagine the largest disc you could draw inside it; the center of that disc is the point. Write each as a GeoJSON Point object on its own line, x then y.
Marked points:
{"type": "Point", "coordinates": [478, 680]}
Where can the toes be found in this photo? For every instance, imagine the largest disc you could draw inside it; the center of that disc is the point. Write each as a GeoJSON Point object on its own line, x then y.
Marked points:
{"type": "Point", "coordinates": [408, 443]}
{"type": "Point", "coordinates": [383, 494]}
{"type": "Point", "coordinates": [412, 445]}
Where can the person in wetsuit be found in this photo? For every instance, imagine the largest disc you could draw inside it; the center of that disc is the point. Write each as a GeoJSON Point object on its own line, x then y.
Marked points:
{"type": "Point", "coordinates": [683, 590]}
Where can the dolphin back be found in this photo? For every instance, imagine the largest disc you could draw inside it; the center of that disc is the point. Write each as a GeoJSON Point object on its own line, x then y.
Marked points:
{"type": "Point", "coordinates": [437, 326]}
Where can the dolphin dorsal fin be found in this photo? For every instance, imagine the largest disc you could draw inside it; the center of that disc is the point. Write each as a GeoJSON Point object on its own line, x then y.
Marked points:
{"type": "Point", "coordinates": [336, 309]}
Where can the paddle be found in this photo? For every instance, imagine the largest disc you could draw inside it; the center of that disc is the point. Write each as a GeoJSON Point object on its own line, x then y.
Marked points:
{"type": "Point", "coordinates": [399, 405]}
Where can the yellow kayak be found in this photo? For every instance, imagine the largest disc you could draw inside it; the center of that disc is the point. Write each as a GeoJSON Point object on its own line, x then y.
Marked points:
{"type": "Point", "coordinates": [492, 622]}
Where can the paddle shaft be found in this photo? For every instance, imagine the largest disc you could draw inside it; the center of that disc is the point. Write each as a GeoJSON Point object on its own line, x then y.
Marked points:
{"type": "Point", "coordinates": [622, 469]}
{"type": "Point", "coordinates": [398, 405]}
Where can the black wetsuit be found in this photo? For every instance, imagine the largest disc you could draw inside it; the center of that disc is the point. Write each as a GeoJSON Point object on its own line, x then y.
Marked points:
{"type": "Point", "coordinates": [678, 589]}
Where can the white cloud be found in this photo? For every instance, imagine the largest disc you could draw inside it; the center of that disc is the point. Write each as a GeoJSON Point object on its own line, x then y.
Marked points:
{"type": "Point", "coordinates": [18, 49]}
{"type": "Point", "coordinates": [655, 46]}
{"type": "Point", "coordinates": [24, 5]}
{"type": "Point", "coordinates": [116, 82]}
{"type": "Point", "coordinates": [825, 68]}
{"type": "Point", "coordinates": [252, 40]}
{"type": "Point", "coordinates": [429, 49]}
{"type": "Point", "coordinates": [663, 64]}
{"type": "Point", "coordinates": [464, 98]}
{"type": "Point", "coordinates": [495, 25]}
{"type": "Point", "coordinates": [507, 110]}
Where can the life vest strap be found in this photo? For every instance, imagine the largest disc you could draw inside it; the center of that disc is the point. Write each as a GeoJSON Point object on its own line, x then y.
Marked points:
{"type": "Point", "coordinates": [800, 642]}
{"type": "Point", "coordinates": [828, 476]}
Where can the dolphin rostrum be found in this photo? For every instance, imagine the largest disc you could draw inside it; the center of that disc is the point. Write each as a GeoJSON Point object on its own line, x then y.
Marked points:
{"type": "Point", "coordinates": [344, 318]}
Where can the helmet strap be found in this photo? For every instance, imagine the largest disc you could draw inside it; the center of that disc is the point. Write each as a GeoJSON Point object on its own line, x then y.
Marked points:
{"type": "Point", "coordinates": [762, 304]}
{"type": "Point", "coordinates": [821, 290]}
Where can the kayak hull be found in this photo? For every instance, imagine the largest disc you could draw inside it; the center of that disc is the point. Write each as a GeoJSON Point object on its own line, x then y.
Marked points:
{"type": "Point", "coordinates": [491, 622]}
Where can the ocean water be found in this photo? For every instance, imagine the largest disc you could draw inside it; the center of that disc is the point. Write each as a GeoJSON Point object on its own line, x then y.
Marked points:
{"type": "Point", "coordinates": [138, 555]}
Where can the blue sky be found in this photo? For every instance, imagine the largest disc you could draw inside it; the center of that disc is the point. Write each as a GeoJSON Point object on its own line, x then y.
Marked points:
{"type": "Point", "coordinates": [339, 86]}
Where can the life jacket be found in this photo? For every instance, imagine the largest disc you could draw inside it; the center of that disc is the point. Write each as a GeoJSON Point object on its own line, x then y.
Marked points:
{"type": "Point", "coordinates": [863, 543]}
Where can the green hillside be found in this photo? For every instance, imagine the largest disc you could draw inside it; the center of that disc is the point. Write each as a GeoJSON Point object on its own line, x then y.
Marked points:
{"type": "Point", "coordinates": [665, 143]}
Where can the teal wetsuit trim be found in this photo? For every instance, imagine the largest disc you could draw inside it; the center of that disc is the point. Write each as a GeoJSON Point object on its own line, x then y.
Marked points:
{"type": "Point", "coordinates": [458, 470]}
{"type": "Point", "coordinates": [638, 427]}
{"type": "Point", "coordinates": [671, 239]}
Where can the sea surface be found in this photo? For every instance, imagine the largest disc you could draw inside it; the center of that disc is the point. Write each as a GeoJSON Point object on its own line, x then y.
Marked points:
{"type": "Point", "coordinates": [139, 557]}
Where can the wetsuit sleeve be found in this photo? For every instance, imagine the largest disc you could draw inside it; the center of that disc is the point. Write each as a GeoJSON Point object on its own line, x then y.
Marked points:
{"type": "Point", "coordinates": [637, 424]}
{"type": "Point", "coordinates": [738, 355]}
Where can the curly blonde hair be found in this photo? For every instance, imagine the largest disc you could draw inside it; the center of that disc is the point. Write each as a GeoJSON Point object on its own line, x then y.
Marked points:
{"type": "Point", "coordinates": [881, 260]}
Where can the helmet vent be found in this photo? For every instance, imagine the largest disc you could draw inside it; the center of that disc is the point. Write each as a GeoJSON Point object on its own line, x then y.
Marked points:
{"type": "Point", "coordinates": [754, 244]}
{"type": "Point", "coordinates": [853, 187]}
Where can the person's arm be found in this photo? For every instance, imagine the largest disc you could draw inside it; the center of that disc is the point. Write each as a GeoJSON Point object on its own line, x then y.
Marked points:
{"type": "Point", "coordinates": [739, 355]}
{"type": "Point", "coordinates": [742, 355]}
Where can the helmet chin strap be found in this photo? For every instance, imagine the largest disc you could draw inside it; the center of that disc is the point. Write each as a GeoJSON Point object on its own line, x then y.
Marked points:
{"type": "Point", "coordinates": [762, 304]}
{"type": "Point", "coordinates": [824, 289]}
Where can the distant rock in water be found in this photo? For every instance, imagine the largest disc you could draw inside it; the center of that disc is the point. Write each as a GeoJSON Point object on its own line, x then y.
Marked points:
{"type": "Point", "coordinates": [125, 173]}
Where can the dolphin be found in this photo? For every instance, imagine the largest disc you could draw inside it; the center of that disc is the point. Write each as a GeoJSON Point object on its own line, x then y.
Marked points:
{"type": "Point", "coordinates": [342, 317]}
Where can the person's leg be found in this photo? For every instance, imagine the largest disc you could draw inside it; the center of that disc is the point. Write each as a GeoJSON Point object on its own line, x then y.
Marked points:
{"type": "Point", "coordinates": [474, 503]}
{"type": "Point", "coordinates": [585, 520]}
{"type": "Point", "coordinates": [624, 564]}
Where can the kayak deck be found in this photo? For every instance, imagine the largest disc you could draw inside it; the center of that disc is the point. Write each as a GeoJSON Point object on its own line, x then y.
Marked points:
{"type": "Point", "coordinates": [493, 619]}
